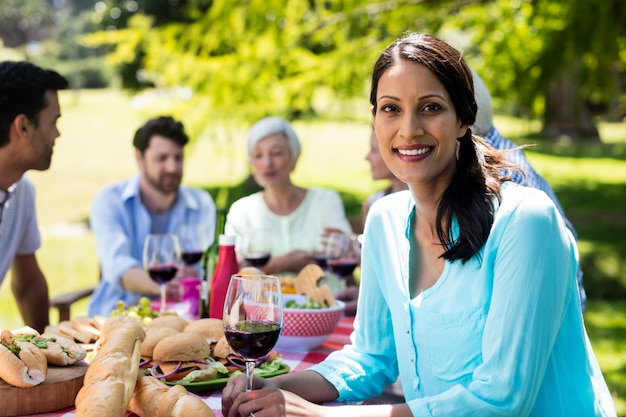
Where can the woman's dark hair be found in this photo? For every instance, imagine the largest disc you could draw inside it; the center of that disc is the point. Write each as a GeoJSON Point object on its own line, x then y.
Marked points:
{"type": "Point", "coordinates": [164, 126]}
{"type": "Point", "coordinates": [479, 167]}
{"type": "Point", "coordinates": [23, 89]}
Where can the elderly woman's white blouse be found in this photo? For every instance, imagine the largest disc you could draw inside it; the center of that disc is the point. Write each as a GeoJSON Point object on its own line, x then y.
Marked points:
{"type": "Point", "coordinates": [499, 335]}
{"type": "Point", "coordinates": [299, 230]}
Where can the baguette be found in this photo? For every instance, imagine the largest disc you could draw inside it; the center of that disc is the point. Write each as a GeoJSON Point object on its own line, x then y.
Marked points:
{"type": "Point", "coordinates": [23, 364]}
{"type": "Point", "coordinates": [152, 398]}
{"type": "Point", "coordinates": [113, 372]}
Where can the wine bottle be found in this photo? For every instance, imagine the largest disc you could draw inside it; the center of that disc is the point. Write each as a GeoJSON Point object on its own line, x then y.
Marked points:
{"type": "Point", "coordinates": [209, 263]}
{"type": "Point", "coordinates": [226, 266]}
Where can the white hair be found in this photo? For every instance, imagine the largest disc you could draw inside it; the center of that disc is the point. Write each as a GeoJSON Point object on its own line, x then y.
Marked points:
{"type": "Point", "coordinates": [272, 125]}
{"type": "Point", "coordinates": [484, 116]}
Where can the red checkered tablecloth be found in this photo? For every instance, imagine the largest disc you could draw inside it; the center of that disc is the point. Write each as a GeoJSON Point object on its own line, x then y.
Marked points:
{"type": "Point", "coordinates": [297, 361]}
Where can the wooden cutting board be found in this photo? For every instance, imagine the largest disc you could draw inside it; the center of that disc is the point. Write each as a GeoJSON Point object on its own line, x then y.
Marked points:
{"type": "Point", "coordinates": [58, 391]}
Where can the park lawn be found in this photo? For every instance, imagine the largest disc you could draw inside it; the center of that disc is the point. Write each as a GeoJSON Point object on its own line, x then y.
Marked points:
{"type": "Point", "coordinates": [95, 150]}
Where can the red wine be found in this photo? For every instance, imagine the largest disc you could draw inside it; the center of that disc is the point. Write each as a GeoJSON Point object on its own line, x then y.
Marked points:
{"type": "Point", "coordinates": [191, 258]}
{"type": "Point", "coordinates": [320, 260]}
{"type": "Point", "coordinates": [257, 259]}
{"type": "Point", "coordinates": [162, 273]}
{"type": "Point", "coordinates": [253, 339]}
{"type": "Point", "coordinates": [342, 267]}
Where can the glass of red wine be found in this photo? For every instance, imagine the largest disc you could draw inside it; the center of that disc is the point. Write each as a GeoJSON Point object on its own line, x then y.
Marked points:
{"type": "Point", "coordinates": [253, 317]}
{"type": "Point", "coordinates": [193, 239]}
{"type": "Point", "coordinates": [256, 247]}
{"type": "Point", "coordinates": [343, 254]}
{"type": "Point", "coordinates": [161, 255]}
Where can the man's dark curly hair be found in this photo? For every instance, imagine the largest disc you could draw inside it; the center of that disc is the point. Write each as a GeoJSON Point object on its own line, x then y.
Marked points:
{"type": "Point", "coordinates": [23, 86]}
{"type": "Point", "coordinates": [164, 126]}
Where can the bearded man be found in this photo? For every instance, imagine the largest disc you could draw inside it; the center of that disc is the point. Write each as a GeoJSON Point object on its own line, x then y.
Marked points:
{"type": "Point", "coordinates": [152, 202]}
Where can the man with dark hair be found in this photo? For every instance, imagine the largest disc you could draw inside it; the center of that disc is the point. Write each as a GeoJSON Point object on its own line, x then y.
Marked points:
{"type": "Point", "coordinates": [29, 110]}
{"type": "Point", "coordinates": [154, 201]}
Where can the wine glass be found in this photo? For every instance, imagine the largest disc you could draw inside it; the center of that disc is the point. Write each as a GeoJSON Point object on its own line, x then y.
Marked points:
{"type": "Point", "coordinates": [343, 254]}
{"type": "Point", "coordinates": [256, 247]}
{"type": "Point", "coordinates": [161, 255]}
{"type": "Point", "coordinates": [253, 317]}
{"type": "Point", "coordinates": [194, 240]}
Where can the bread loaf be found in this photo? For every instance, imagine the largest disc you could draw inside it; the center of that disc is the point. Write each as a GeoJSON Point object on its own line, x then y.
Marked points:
{"type": "Point", "coordinates": [110, 379]}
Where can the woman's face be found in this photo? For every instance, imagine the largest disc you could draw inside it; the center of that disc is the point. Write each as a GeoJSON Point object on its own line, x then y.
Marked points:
{"type": "Point", "coordinates": [272, 162]}
{"type": "Point", "coordinates": [416, 125]}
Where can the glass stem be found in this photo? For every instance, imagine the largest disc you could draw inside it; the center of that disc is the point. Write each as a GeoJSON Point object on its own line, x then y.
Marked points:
{"type": "Point", "coordinates": [163, 292]}
{"type": "Point", "coordinates": [249, 375]}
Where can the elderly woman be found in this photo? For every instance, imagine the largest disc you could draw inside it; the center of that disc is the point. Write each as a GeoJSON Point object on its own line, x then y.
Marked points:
{"type": "Point", "coordinates": [294, 217]}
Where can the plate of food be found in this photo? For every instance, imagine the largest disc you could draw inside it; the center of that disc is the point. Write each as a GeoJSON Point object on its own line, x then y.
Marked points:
{"type": "Point", "coordinates": [220, 382]}
{"type": "Point", "coordinates": [195, 354]}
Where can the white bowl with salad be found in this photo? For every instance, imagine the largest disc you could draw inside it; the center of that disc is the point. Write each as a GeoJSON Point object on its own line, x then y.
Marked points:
{"type": "Point", "coordinates": [306, 323]}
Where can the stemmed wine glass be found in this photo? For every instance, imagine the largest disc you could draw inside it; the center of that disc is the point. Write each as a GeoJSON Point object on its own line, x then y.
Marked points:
{"type": "Point", "coordinates": [193, 239]}
{"type": "Point", "coordinates": [257, 247]}
{"type": "Point", "coordinates": [343, 254]}
{"type": "Point", "coordinates": [161, 255]}
{"type": "Point", "coordinates": [253, 317]}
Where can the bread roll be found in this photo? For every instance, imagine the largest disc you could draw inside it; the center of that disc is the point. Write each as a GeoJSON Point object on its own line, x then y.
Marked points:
{"type": "Point", "coordinates": [147, 395]}
{"type": "Point", "coordinates": [181, 347]}
{"type": "Point", "coordinates": [211, 329]}
{"type": "Point", "coordinates": [26, 369]}
{"type": "Point", "coordinates": [169, 399]}
{"type": "Point", "coordinates": [62, 351]}
{"type": "Point", "coordinates": [222, 349]}
{"type": "Point", "coordinates": [153, 336]}
{"type": "Point", "coordinates": [152, 398]}
{"type": "Point", "coordinates": [190, 405]}
{"type": "Point", "coordinates": [169, 320]}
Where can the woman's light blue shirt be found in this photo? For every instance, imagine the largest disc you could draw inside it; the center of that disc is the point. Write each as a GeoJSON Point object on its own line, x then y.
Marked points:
{"type": "Point", "coordinates": [501, 334]}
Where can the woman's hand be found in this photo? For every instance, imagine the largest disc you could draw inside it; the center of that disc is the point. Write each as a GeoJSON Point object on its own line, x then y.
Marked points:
{"type": "Point", "coordinates": [235, 386]}
{"type": "Point", "coordinates": [271, 402]}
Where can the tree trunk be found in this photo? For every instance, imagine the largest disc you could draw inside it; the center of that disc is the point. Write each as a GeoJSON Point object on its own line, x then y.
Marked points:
{"type": "Point", "coordinates": [567, 115]}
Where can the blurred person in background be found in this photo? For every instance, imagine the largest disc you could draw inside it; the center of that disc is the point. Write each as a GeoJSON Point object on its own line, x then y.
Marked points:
{"type": "Point", "coordinates": [153, 201]}
{"type": "Point", "coordinates": [468, 281]}
{"type": "Point", "coordinates": [297, 217]}
{"type": "Point", "coordinates": [29, 111]}
{"type": "Point", "coordinates": [483, 127]}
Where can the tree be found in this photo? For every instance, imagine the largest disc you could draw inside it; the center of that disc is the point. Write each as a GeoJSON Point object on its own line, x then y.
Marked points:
{"type": "Point", "coordinates": [553, 58]}
{"type": "Point", "coordinates": [22, 21]}
{"type": "Point", "coordinates": [300, 57]}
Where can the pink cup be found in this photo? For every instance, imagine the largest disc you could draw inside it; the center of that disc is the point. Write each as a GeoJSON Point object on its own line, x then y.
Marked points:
{"type": "Point", "coordinates": [190, 294]}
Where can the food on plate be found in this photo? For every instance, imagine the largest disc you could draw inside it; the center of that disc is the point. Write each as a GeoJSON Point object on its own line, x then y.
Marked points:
{"type": "Point", "coordinates": [307, 283]}
{"type": "Point", "coordinates": [67, 329]}
{"type": "Point", "coordinates": [153, 336]}
{"type": "Point", "coordinates": [211, 329]}
{"type": "Point", "coordinates": [57, 350]}
{"type": "Point", "coordinates": [22, 363]}
{"type": "Point", "coordinates": [222, 349]}
{"type": "Point", "coordinates": [84, 330]}
{"type": "Point", "coordinates": [288, 284]}
{"type": "Point", "coordinates": [177, 355]}
{"type": "Point", "coordinates": [308, 304]}
{"type": "Point", "coordinates": [114, 370]}
{"type": "Point", "coordinates": [155, 399]}
{"type": "Point", "coordinates": [169, 320]}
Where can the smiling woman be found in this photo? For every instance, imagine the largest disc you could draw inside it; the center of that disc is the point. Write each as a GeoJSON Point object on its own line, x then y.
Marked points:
{"type": "Point", "coordinates": [443, 264]}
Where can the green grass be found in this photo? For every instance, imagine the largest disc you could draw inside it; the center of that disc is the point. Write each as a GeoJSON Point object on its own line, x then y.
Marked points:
{"type": "Point", "coordinates": [95, 150]}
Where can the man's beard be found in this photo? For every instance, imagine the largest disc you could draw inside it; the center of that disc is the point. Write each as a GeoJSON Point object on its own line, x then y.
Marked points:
{"type": "Point", "coordinates": [159, 184]}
